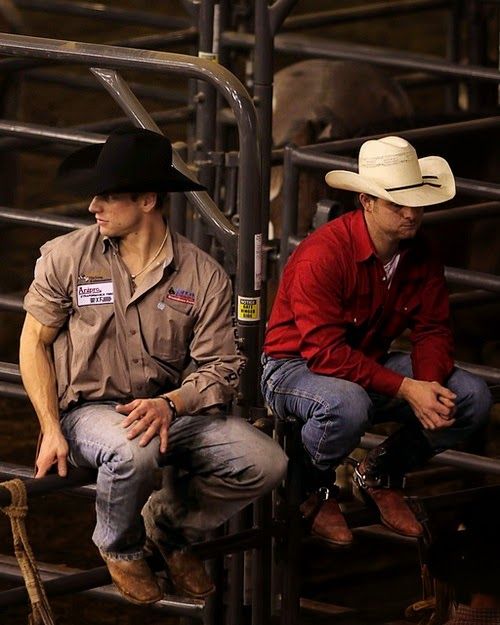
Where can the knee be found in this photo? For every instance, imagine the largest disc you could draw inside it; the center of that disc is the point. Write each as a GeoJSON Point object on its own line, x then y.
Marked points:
{"type": "Point", "coordinates": [131, 460]}
{"type": "Point", "coordinates": [350, 412]}
{"type": "Point", "coordinates": [476, 400]}
{"type": "Point", "coordinates": [265, 470]}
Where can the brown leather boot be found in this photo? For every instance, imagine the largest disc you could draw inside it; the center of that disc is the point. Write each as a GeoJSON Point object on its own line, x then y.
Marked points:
{"type": "Point", "coordinates": [394, 511]}
{"type": "Point", "coordinates": [328, 521]}
{"type": "Point", "coordinates": [134, 579]}
{"type": "Point", "coordinates": [185, 570]}
{"type": "Point", "coordinates": [188, 575]}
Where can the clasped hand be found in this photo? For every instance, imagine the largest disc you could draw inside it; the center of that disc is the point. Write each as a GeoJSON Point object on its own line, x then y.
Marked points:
{"type": "Point", "coordinates": [432, 403]}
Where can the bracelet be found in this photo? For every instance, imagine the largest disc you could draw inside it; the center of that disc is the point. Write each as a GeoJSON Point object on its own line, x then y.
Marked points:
{"type": "Point", "coordinates": [172, 407]}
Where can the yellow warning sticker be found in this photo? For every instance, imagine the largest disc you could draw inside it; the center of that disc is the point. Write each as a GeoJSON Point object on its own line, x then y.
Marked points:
{"type": "Point", "coordinates": [248, 308]}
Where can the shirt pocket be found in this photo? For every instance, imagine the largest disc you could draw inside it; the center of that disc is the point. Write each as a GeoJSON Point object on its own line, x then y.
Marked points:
{"type": "Point", "coordinates": [401, 317]}
{"type": "Point", "coordinates": [173, 330]}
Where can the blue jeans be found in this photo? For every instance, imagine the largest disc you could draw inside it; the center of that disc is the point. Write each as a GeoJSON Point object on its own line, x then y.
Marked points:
{"type": "Point", "coordinates": [215, 465]}
{"type": "Point", "coordinates": [337, 412]}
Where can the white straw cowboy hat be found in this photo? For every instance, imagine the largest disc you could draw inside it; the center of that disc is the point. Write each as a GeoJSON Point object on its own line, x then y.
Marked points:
{"type": "Point", "coordinates": [389, 169]}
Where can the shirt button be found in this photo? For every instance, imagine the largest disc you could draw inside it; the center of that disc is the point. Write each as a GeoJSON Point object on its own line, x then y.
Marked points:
{"type": "Point", "coordinates": [132, 332]}
{"type": "Point", "coordinates": [384, 278]}
{"type": "Point", "coordinates": [135, 360]}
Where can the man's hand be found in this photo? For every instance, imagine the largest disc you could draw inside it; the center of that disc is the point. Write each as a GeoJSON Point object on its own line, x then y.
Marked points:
{"type": "Point", "coordinates": [149, 417]}
{"type": "Point", "coordinates": [53, 450]}
{"type": "Point", "coordinates": [433, 404]}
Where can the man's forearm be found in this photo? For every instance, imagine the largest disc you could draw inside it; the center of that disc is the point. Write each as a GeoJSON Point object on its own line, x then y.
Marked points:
{"type": "Point", "coordinates": [39, 379]}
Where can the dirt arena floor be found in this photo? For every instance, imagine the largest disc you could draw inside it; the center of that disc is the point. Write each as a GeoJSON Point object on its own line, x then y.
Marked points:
{"type": "Point", "coordinates": [383, 576]}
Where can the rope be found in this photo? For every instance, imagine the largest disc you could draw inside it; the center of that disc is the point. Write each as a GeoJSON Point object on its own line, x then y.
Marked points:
{"type": "Point", "coordinates": [41, 613]}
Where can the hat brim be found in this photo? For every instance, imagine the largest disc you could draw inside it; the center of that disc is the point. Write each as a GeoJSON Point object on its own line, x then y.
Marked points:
{"type": "Point", "coordinates": [441, 186]}
{"type": "Point", "coordinates": [77, 174]}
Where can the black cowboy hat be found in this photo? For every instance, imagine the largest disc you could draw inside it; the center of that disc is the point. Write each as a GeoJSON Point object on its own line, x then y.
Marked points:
{"type": "Point", "coordinates": [131, 160]}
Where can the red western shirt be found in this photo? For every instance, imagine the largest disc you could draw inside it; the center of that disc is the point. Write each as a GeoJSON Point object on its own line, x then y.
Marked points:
{"type": "Point", "coordinates": [335, 310]}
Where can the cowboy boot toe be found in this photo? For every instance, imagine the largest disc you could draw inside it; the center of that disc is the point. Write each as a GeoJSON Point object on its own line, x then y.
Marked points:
{"type": "Point", "coordinates": [329, 524]}
{"type": "Point", "coordinates": [395, 513]}
{"type": "Point", "coordinates": [188, 575]}
{"type": "Point", "coordinates": [134, 579]}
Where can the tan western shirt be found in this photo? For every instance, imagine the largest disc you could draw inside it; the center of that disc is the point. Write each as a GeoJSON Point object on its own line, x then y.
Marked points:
{"type": "Point", "coordinates": [117, 344]}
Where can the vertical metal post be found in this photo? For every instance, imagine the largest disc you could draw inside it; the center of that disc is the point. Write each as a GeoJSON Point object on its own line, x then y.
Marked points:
{"type": "Point", "coordinates": [178, 204]}
{"type": "Point", "coordinates": [290, 208]}
{"type": "Point", "coordinates": [235, 577]}
{"type": "Point", "coordinates": [290, 592]}
{"type": "Point", "coordinates": [454, 18]}
{"type": "Point", "coordinates": [205, 114]}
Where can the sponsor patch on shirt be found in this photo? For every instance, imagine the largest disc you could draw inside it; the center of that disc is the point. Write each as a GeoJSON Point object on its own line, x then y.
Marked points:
{"type": "Point", "coordinates": [180, 295]}
{"type": "Point", "coordinates": [95, 293]}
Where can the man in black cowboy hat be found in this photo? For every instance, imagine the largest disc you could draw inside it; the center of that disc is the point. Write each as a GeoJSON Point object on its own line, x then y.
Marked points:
{"type": "Point", "coordinates": [114, 314]}
{"type": "Point", "coordinates": [348, 290]}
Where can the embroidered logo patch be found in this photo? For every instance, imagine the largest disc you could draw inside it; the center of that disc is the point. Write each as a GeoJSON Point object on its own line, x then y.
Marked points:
{"type": "Point", "coordinates": [180, 295]}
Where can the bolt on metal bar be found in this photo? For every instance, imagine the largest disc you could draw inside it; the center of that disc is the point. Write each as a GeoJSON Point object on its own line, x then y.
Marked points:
{"type": "Point", "coordinates": [327, 48]}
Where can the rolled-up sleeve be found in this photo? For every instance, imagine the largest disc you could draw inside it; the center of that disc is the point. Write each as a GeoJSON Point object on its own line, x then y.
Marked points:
{"type": "Point", "coordinates": [48, 299]}
{"type": "Point", "coordinates": [214, 351]}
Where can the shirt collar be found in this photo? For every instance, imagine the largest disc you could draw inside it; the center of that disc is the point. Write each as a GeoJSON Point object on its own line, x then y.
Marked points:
{"type": "Point", "coordinates": [363, 245]}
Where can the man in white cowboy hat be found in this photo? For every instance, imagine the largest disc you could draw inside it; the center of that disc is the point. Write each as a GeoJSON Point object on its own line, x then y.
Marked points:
{"type": "Point", "coordinates": [347, 291]}
{"type": "Point", "coordinates": [115, 313]}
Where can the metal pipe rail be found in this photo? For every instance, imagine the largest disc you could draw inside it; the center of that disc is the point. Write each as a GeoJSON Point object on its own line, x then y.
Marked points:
{"type": "Point", "coordinates": [317, 47]}
{"type": "Point", "coordinates": [364, 12]}
{"type": "Point", "coordinates": [249, 188]}
{"type": "Point", "coordinates": [305, 158]}
{"type": "Point", "coordinates": [459, 459]}
{"type": "Point", "coordinates": [62, 581]}
{"type": "Point", "coordinates": [101, 11]}
{"type": "Point", "coordinates": [415, 134]}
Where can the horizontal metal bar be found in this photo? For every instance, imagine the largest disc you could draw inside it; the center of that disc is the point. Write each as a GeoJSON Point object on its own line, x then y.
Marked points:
{"type": "Point", "coordinates": [9, 471]}
{"type": "Point", "coordinates": [414, 134]}
{"type": "Point", "coordinates": [473, 279]}
{"type": "Point", "coordinates": [368, 11]}
{"type": "Point", "coordinates": [15, 391]}
{"type": "Point", "coordinates": [49, 133]}
{"type": "Point", "coordinates": [319, 160]}
{"type": "Point", "coordinates": [462, 213]}
{"type": "Point", "coordinates": [60, 580]}
{"type": "Point", "coordinates": [30, 218]}
{"type": "Point", "coordinates": [52, 483]}
{"type": "Point", "coordinates": [466, 299]}
{"type": "Point", "coordinates": [104, 12]}
{"type": "Point", "coordinates": [471, 462]}
{"type": "Point", "coordinates": [12, 303]}
{"type": "Point", "coordinates": [9, 372]}
{"type": "Point", "coordinates": [73, 81]}
{"type": "Point", "coordinates": [317, 47]}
